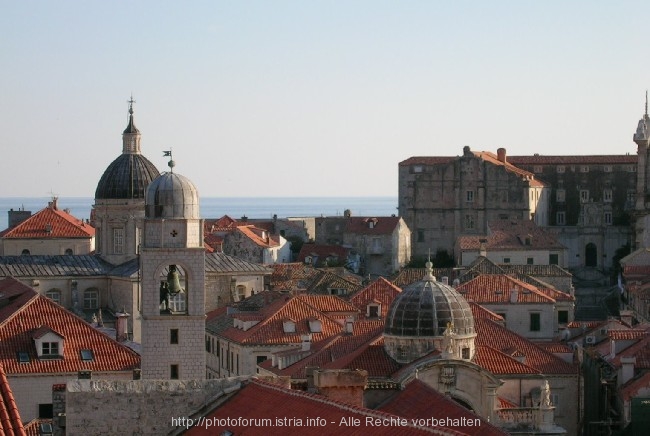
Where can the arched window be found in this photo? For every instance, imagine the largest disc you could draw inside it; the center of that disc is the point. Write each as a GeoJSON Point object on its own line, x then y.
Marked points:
{"type": "Point", "coordinates": [54, 295]}
{"type": "Point", "coordinates": [25, 252]}
{"type": "Point", "coordinates": [591, 254]}
{"type": "Point", "coordinates": [69, 252]}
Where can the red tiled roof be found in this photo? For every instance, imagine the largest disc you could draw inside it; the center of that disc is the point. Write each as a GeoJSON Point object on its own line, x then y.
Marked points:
{"type": "Point", "coordinates": [512, 235]}
{"type": "Point", "coordinates": [574, 159]}
{"type": "Point", "coordinates": [10, 422]}
{"type": "Point", "coordinates": [30, 311]}
{"type": "Point", "coordinates": [491, 334]}
{"type": "Point", "coordinates": [505, 404]}
{"type": "Point", "coordinates": [381, 291]}
{"type": "Point", "coordinates": [225, 223]}
{"type": "Point", "coordinates": [479, 311]}
{"type": "Point", "coordinates": [627, 335]}
{"type": "Point", "coordinates": [632, 387]}
{"type": "Point", "coordinates": [383, 225]}
{"type": "Point", "coordinates": [491, 288]}
{"type": "Point", "coordinates": [500, 363]}
{"type": "Point", "coordinates": [259, 236]}
{"type": "Point", "coordinates": [50, 223]}
{"type": "Point", "coordinates": [586, 324]}
{"type": "Point", "coordinates": [640, 350]}
{"type": "Point", "coordinates": [371, 357]}
{"type": "Point", "coordinates": [492, 158]}
{"type": "Point", "coordinates": [322, 252]}
{"type": "Point", "coordinates": [555, 347]}
{"type": "Point", "coordinates": [418, 400]}
{"type": "Point", "coordinates": [271, 330]}
{"type": "Point", "coordinates": [411, 275]}
{"type": "Point", "coordinates": [261, 400]}
{"type": "Point", "coordinates": [33, 427]}
{"type": "Point", "coordinates": [328, 303]}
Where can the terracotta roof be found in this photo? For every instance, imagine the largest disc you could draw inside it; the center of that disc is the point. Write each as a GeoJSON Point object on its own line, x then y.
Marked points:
{"type": "Point", "coordinates": [223, 224]}
{"type": "Point", "coordinates": [640, 350]}
{"type": "Point", "coordinates": [492, 158]}
{"type": "Point", "coordinates": [427, 160]}
{"type": "Point", "coordinates": [271, 330]}
{"type": "Point", "coordinates": [10, 422]}
{"type": "Point", "coordinates": [26, 311]}
{"type": "Point", "coordinates": [573, 159]}
{"type": "Point", "coordinates": [33, 427]}
{"type": "Point", "coordinates": [512, 235]}
{"type": "Point", "coordinates": [479, 311]}
{"type": "Point", "coordinates": [491, 334]}
{"type": "Point", "coordinates": [505, 404]}
{"type": "Point", "coordinates": [627, 335]}
{"type": "Point", "coordinates": [555, 347]}
{"type": "Point", "coordinates": [418, 400]}
{"type": "Point", "coordinates": [320, 252]}
{"type": "Point", "coordinates": [500, 363]}
{"type": "Point", "coordinates": [328, 303]}
{"type": "Point", "coordinates": [486, 289]}
{"type": "Point", "coordinates": [261, 400]}
{"type": "Point", "coordinates": [411, 275]}
{"type": "Point", "coordinates": [537, 270]}
{"type": "Point", "coordinates": [640, 257]}
{"type": "Point", "coordinates": [50, 223]}
{"type": "Point", "coordinates": [383, 225]}
{"type": "Point", "coordinates": [260, 237]}
{"type": "Point", "coordinates": [632, 387]}
{"type": "Point", "coordinates": [371, 357]}
{"type": "Point", "coordinates": [381, 290]}
{"type": "Point", "coordinates": [585, 324]}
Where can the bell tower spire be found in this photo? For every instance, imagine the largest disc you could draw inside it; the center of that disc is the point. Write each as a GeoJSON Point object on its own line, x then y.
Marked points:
{"type": "Point", "coordinates": [131, 135]}
{"type": "Point", "coordinates": [642, 139]}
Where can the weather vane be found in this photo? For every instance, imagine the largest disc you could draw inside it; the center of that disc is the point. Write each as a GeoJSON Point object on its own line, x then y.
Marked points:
{"type": "Point", "coordinates": [171, 162]}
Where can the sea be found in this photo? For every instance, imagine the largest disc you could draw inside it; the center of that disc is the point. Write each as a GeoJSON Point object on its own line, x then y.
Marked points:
{"type": "Point", "coordinates": [235, 207]}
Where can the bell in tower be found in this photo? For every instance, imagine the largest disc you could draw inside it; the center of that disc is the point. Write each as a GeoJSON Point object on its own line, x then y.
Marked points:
{"type": "Point", "coordinates": [173, 299]}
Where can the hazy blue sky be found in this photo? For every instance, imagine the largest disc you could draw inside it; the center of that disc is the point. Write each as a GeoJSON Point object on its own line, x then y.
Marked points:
{"type": "Point", "coordinates": [299, 98]}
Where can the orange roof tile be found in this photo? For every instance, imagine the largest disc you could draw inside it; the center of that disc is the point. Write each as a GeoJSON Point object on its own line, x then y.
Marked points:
{"type": "Point", "coordinates": [417, 400]}
{"type": "Point", "coordinates": [633, 386]}
{"type": "Point", "coordinates": [500, 363]}
{"type": "Point", "coordinates": [512, 235]}
{"type": "Point", "coordinates": [271, 330]}
{"type": "Point", "coordinates": [259, 236]}
{"type": "Point", "coordinates": [491, 334]}
{"type": "Point", "coordinates": [383, 225]}
{"type": "Point", "coordinates": [486, 289]}
{"type": "Point", "coordinates": [640, 350]}
{"type": "Point", "coordinates": [50, 223]}
{"type": "Point", "coordinates": [261, 400]}
{"type": "Point", "coordinates": [29, 312]}
{"type": "Point", "coordinates": [322, 252]}
{"type": "Point", "coordinates": [328, 303]}
{"type": "Point", "coordinates": [371, 357]}
{"type": "Point", "coordinates": [10, 422]}
{"type": "Point", "coordinates": [479, 311]}
{"type": "Point", "coordinates": [381, 291]}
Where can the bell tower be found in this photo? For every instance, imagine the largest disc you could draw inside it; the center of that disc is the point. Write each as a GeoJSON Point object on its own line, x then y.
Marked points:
{"type": "Point", "coordinates": [173, 278]}
{"type": "Point", "coordinates": [642, 202]}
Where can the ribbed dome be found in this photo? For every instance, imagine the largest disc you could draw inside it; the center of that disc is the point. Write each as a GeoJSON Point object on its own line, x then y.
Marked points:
{"type": "Point", "coordinates": [172, 196]}
{"type": "Point", "coordinates": [126, 177]}
{"type": "Point", "coordinates": [425, 308]}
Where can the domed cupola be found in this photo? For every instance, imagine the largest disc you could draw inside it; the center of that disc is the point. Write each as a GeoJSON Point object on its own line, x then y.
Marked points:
{"type": "Point", "coordinates": [172, 196]}
{"type": "Point", "coordinates": [428, 316]}
{"type": "Point", "coordinates": [128, 176]}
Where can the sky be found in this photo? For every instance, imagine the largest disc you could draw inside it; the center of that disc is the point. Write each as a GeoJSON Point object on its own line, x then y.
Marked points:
{"type": "Point", "coordinates": [310, 98]}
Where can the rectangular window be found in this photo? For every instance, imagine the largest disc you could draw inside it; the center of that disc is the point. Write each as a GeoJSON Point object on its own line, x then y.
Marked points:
{"type": "Point", "coordinates": [50, 349]}
{"type": "Point", "coordinates": [607, 168]}
{"type": "Point", "coordinates": [631, 193]}
{"type": "Point", "coordinates": [560, 195]}
{"type": "Point", "coordinates": [560, 218]}
{"type": "Point", "coordinates": [420, 235]}
{"type": "Point", "coordinates": [417, 169]}
{"type": "Point", "coordinates": [529, 261]}
{"type": "Point", "coordinates": [563, 317]}
{"type": "Point", "coordinates": [535, 322]}
{"type": "Point", "coordinates": [607, 195]}
{"type": "Point", "coordinates": [91, 300]}
{"type": "Point", "coordinates": [553, 259]}
{"type": "Point", "coordinates": [560, 168]}
{"type": "Point", "coordinates": [608, 218]}
{"type": "Point", "coordinates": [465, 353]}
{"type": "Point", "coordinates": [118, 241]}
{"type": "Point", "coordinates": [584, 168]}
{"type": "Point", "coordinates": [45, 411]}
{"type": "Point", "coordinates": [584, 195]}
{"type": "Point", "coordinates": [87, 355]}
{"type": "Point", "coordinates": [469, 222]}
{"type": "Point", "coordinates": [506, 260]}
{"type": "Point", "coordinates": [173, 372]}
{"type": "Point", "coordinates": [538, 169]}
{"type": "Point", "coordinates": [173, 336]}
{"type": "Point", "coordinates": [469, 196]}
{"type": "Point", "coordinates": [631, 168]}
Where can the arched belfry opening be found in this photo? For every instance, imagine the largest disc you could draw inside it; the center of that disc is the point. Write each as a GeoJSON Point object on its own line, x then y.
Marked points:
{"type": "Point", "coordinates": [591, 255]}
{"type": "Point", "coordinates": [173, 292]}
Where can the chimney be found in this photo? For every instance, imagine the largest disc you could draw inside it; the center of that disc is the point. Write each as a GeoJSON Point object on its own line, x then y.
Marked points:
{"type": "Point", "coordinates": [306, 342]}
{"type": "Point", "coordinates": [343, 385]}
{"type": "Point", "coordinates": [309, 375]}
{"type": "Point", "coordinates": [626, 317]}
{"type": "Point", "coordinates": [501, 154]}
{"type": "Point", "coordinates": [121, 326]}
{"type": "Point", "coordinates": [18, 216]}
{"type": "Point", "coordinates": [482, 248]}
{"type": "Point", "coordinates": [627, 368]}
{"type": "Point", "coordinates": [514, 295]}
{"type": "Point", "coordinates": [612, 348]}
{"type": "Point", "coordinates": [349, 325]}
{"type": "Point", "coordinates": [445, 280]}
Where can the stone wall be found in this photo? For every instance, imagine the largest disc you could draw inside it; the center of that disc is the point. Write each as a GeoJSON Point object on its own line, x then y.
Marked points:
{"type": "Point", "coordinates": [140, 407]}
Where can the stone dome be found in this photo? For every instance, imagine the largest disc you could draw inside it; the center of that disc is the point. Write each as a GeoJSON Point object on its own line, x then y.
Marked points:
{"type": "Point", "coordinates": [126, 177]}
{"type": "Point", "coordinates": [424, 317]}
{"type": "Point", "coordinates": [172, 196]}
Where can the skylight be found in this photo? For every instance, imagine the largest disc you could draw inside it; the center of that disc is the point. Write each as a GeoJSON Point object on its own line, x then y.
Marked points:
{"type": "Point", "coordinates": [87, 355]}
{"type": "Point", "coordinates": [23, 357]}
